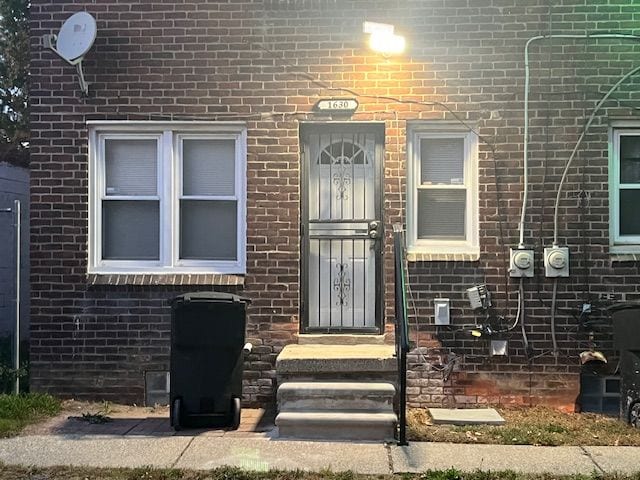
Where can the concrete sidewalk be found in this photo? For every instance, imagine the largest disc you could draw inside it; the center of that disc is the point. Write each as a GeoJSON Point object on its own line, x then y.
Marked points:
{"type": "Point", "coordinates": [262, 453]}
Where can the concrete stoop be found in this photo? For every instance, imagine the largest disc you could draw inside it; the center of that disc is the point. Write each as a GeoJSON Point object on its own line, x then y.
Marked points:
{"type": "Point", "coordinates": [337, 425]}
{"type": "Point", "coordinates": [332, 396]}
{"type": "Point", "coordinates": [336, 392]}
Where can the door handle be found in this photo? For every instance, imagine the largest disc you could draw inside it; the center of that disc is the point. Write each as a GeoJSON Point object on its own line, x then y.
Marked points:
{"type": "Point", "coordinates": [374, 229]}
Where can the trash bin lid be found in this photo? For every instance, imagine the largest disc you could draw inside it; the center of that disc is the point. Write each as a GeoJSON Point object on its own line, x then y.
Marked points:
{"type": "Point", "coordinates": [616, 307]}
{"type": "Point", "coordinates": [209, 297]}
{"type": "Point", "coordinates": [626, 320]}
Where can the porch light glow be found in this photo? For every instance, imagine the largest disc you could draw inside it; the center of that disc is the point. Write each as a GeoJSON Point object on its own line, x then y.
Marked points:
{"type": "Point", "coordinates": [382, 38]}
{"type": "Point", "coordinates": [386, 44]}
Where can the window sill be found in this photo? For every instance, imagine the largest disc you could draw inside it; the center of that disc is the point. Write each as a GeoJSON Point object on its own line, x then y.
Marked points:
{"type": "Point", "coordinates": [418, 256]}
{"type": "Point", "coordinates": [624, 257]}
{"type": "Point", "coordinates": [165, 279]}
{"type": "Point", "coordinates": [624, 253]}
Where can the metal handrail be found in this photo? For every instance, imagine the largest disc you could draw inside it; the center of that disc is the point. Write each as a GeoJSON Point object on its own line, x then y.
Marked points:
{"type": "Point", "coordinates": [401, 328]}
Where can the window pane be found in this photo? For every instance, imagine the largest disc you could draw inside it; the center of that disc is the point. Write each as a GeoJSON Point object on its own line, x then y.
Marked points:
{"type": "Point", "coordinates": [130, 230]}
{"type": "Point", "coordinates": [629, 159]}
{"type": "Point", "coordinates": [208, 229]}
{"type": "Point", "coordinates": [629, 218]}
{"type": "Point", "coordinates": [131, 167]}
{"type": "Point", "coordinates": [208, 167]}
{"type": "Point", "coordinates": [442, 161]}
{"type": "Point", "coordinates": [441, 214]}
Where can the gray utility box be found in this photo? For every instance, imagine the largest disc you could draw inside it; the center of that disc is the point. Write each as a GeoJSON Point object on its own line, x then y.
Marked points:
{"type": "Point", "coordinates": [626, 334]}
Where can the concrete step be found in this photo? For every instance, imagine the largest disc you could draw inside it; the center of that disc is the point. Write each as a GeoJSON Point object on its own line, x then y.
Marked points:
{"type": "Point", "coordinates": [336, 396]}
{"type": "Point", "coordinates": [337, 425]}
{"type": "Point", "coordinates": [336, 359]}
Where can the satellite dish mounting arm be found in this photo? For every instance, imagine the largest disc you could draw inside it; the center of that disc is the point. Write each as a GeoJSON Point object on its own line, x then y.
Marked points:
{"type": "Point", "coordinates": [49, 42]}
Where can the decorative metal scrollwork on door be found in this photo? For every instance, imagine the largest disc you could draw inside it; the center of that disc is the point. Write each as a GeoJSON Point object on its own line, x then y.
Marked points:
{"type": "Point", "coordinates": [341, 263]}
{"type": "Point", "coordinates": [342, 284]}
{"type": "Point", "coordinates": [342, 155]}
{"type": "Point", "coordinates": [342, 181]}
{"type": "Point", "coordinates": [342, 152]}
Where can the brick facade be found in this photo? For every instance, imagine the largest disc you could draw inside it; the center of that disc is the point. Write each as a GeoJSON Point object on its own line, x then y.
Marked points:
{"type": "Point", "coordinates": [267, 62]}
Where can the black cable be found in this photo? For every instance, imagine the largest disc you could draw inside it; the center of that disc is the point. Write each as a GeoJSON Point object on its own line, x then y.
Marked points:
{"type": "Point", "coordinates": [327, 86]}
{"type": "Point", "coordinates": [583, 203]}
{"type": "Point", "coordinates": [500, 225]}
{"type": "Point", "coordinates": [444, 106]}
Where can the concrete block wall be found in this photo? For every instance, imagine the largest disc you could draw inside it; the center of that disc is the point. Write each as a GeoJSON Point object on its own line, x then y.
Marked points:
{"type": "Point", "coordinates": [267, 62]}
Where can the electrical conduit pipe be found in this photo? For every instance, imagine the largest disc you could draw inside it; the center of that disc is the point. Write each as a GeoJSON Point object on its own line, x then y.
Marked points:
{"type": "Point", "coordinates": [525, 162]}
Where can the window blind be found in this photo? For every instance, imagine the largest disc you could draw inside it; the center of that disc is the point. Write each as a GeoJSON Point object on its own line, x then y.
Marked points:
{"type": "Point", "coordinates": [208, 229]}
{"type": "Point", "coordinates": [131, 167]}
{"type": "Point", "coordinates": [208, 167]}
{"type": "Point", "coordinates": [441, 214]}
{"type": "Point", "coordinates": [442, 161]}
{"type": "Point", "coordinates": [130, 230]}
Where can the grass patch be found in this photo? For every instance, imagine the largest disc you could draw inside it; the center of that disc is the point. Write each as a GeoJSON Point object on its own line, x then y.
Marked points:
{"type": "Point", "coordinates": [17, 411]}
{"type": "Point", "coordinates": [78, 473]}
{"type": "Point", "coordinates": [528, 426]}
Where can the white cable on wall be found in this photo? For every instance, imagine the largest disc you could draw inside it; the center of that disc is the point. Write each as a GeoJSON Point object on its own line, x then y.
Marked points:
{"type": "Point", "coordinates": [525, 163]}
{"type": "Point", "coordinates": [575, 149]}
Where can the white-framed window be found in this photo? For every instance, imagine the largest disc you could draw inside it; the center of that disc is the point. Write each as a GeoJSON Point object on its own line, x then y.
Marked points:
{"type": "Point", "coordinates": [624, 187]}
{"type": "Point", "coordinates": [442, 190]}
{"type": "Point", "coordinates": [167, 197]}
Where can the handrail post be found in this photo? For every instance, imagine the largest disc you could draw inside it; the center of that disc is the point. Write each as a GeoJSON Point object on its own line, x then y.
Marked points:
{"type": "Point", "coordinates": [401, 331]}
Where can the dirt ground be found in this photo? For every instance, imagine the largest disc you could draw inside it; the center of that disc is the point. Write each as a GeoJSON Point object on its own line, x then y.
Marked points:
{"type": "Point", "coordinates": [524, 425]}
{"type": "Point", "coordinates": [529, 426]}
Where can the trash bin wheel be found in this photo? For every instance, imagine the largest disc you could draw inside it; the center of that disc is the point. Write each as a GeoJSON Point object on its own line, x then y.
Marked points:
{"type": "Point", "coordinates": [176, 414]}
{"type": "Point", "coordinates": [235, 413]}
{"type": "Point", "coordinates": [634, 415]}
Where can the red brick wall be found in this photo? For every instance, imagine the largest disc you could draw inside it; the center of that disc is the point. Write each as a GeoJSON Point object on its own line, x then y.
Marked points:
{"type": "Point", "coordinates": [267, 62]}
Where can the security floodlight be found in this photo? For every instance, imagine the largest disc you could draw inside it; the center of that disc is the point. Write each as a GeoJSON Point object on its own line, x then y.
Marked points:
{"type": "Point", "coordinates": [382, 38]}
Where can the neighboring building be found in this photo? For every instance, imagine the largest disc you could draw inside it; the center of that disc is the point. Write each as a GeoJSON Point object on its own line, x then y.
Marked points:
{"type": "Point", "coordinates": [14, 185]}
{"type": "Point", "coordinates": [198, 162]}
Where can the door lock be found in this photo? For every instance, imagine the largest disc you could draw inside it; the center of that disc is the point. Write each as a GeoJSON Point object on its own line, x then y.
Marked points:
{"type": "Point", "coordinates": [374, 229]}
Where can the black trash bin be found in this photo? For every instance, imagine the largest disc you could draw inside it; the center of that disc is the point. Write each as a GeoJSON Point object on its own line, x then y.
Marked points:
{"type": "Point", "coordinates": [207, 355]}
{"type": "Point", "coordinates": [626, 334]}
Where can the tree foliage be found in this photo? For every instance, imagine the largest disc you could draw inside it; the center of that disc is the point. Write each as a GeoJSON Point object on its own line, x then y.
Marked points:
{"type": "Point", "coordinates": [14, 81]}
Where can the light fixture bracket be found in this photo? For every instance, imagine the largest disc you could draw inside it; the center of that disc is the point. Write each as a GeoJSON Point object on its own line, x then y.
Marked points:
{"type": "Point", "coordinates": [375, 27]}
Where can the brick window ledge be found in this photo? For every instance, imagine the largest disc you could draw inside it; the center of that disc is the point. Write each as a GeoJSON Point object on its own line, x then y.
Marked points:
{"type": "Point", "coordinates": [443, 257]}
{"type": "Point", "coordinates": [165, 279]}
{"type": "Point", "coordinates": [624, 257]}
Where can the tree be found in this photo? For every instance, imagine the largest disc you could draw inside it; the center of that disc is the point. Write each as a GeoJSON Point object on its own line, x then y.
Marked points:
{"type": "Point", "coordinates": [14, 81]}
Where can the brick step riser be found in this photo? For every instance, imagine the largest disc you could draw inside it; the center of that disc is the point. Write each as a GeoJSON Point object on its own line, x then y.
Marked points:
{"type": "Point", "coordinates": [341, 425]}
{"type": "Point", "coordinates": [390, 377]}
{"type": "Point", "coordinates": [332, 404]}
{"type": "Point", "coordinates": [337, 432]}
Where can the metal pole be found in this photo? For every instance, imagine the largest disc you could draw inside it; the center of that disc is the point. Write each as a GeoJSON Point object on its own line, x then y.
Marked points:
{"type": "Point", "coordinates": [18, 265]}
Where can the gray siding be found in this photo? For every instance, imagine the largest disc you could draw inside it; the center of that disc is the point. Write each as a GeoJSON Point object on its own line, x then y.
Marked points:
{"type": "Point", "coordinates": [14, 185]}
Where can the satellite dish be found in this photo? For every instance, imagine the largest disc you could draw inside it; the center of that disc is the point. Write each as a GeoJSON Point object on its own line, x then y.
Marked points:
{"type": "Point", "coordinates": [76, 36]}
{"type": "Point", "coordinates": [74, 40]}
